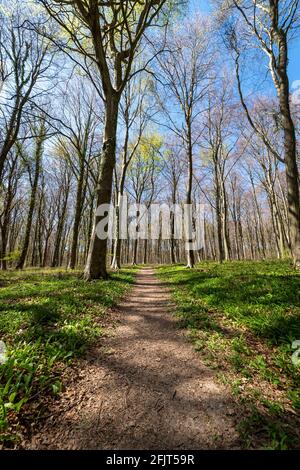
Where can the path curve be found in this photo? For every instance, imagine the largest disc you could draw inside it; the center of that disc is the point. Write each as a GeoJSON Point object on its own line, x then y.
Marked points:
{"type": "Point", "coordinates": [144, 388]}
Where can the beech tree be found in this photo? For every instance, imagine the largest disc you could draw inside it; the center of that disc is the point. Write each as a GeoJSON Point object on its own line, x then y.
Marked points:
{"type": "Point", "coordinates": [33, 164]}
{"type": "Point", "coordinates": [184, 74]}
{"type": "Point", "coordinates": [78, 143]}
{"type": "Point", "coordinates": [26, 61]}
{"type": "Point", "coordinates": [219, 144]}
{"type": "Point", "coordinates": [135, 115]}
{"type": "Point", "coordinates": [62, 184]}
{"type": "Point", "coordinates": [8, 200]}
{"type": "Point", "coordinates": [272, 24]}
{"type": "Point", "coordinates": [143, 180]}
{"type": "Point", "coordinates": [107, 35]}
{"type": "Point", "coordinates": [173, 169]}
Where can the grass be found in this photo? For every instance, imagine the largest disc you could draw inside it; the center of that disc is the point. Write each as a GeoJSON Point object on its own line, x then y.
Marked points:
{"type": "Point", "coordinates": [48, 318]}
{"type": "Point", "coordinates": [243, 318]}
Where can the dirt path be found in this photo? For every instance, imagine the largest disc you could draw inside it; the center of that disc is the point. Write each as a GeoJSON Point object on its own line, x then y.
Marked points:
{"type": "Point", "coordinates": [144, 388]}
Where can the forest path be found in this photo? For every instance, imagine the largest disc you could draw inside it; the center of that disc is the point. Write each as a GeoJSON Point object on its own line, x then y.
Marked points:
{"type": "Point", "coordinates": [144, 387]}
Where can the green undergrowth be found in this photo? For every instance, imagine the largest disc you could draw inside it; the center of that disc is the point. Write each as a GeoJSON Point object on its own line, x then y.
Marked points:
{"type": "Point", "coordinates": [243, 318]}
{"type": "Point", "coordinates": [48, 318]}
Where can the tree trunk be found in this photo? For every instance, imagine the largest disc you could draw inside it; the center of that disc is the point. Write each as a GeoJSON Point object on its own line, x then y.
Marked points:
{"type": "Point", "coordinates": [77, 217]}
{"type": "Point", "coordinates": [292, 176]}
{"type": "Point", "coordinates": [172, 241]}
{"type": "Point", "coordinates": [96, 261]}
{"type": "Point", "coordinates": [279, 69]}
{"type": "Point", "coordinates": [259, 218]}
{"type": "Point", "coordinates": [145, 252]}
{"type": "Point", "coordinates": [90, 225]}
{"type": "Point", "coordinates": [190, 253]}
{"type": "Point", "coordinates": [38, 157]}
{"type": "Point", "coordinates": [219, 223]}
{"type": "Point", "coordinates": [3, 248]}
{"type": "Point", "coordinates": [116, 262]}
{"type": "Point", "coordinates": [45, 253]}
{"type": "Point", "coordinates": [55, 259]}
{"type": "Point", "coordinates": [134, 256]}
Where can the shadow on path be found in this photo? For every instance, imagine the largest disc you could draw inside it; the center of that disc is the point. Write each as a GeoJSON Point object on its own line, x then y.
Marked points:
{"type": "Point", "coordinates": [144, 388]}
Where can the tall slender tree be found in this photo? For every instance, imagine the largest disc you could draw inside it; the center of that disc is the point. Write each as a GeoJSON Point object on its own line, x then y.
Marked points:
{"type": "Point", "coordinates": [26, 61]}
{"type": "Point", "coordinates": [34, 165]}
{"type": "Point", "coordinates": [107, 34]}
{"type": "Point", "coordinates": [184, 72]}
{"type": "Point", "coordinates": [272, 24]}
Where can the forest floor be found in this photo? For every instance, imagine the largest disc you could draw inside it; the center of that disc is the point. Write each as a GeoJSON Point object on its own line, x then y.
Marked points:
{"type": "Point", "coordinates": [243, 318]}
{"type": "Point", "coordinates": [49, 318]}
{"type": "Point", "coordinates": [143, 387]}
{"type": "Point", "coordinates": [188, 359]}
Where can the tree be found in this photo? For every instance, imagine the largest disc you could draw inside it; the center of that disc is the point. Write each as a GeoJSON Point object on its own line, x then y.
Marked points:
{"type": "Point", "coordinates": [135, 114]}
{"type": "Point", "coordinates": [236, 211]}
{"type": "Point", "coordinates": [184, 74]}
{"type": "Point", "coordinates": [143, 178]}
{"type": "Point", "coordinates": [220, 142]}
{"type": "Point", "coordinates": [60, 197]}
{"type": "Point", "coordinates": [272, 23]}
{"type": "Point", "coordinates": [78, 145]}
{"type": "Point", "coordinates": [33, 165]}
{"type": "Point", "coordinates": [25, 62]}
{"type": "Point", "coordinates": [8, 192]}
{"type": "Point", "coordinates": [107, 35]}
{"type": "Point", "coordinates": [173, 169]}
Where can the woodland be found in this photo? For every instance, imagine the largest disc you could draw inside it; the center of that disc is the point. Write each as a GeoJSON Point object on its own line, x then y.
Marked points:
{"type": "Point", "coordinates": [164, 102]}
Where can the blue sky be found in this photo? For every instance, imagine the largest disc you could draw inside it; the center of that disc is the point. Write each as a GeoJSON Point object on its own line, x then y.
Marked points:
{"type": "Point", "coordinates": [294, 65]}
{"type": "Point", "coordinates": [294, 68]}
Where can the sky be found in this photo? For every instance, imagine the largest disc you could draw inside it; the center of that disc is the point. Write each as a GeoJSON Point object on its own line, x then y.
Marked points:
{"type": "Point", "coordinates": [294, 64]}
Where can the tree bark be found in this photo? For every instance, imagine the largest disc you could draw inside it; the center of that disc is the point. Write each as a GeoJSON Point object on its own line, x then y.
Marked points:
{"type": "Point", "coordinates": [38, 158]}
{"type": "Point", "coordinates": [134, 256]}
{"type": "Point", "coordinates": [190, 253]}
{"type": "Point", "coordinates": [77, 216]}
{"type": "Point", "coordinates": [116, 262]}
{"type": "Point", "coordinates": [292, 175]}
{"type": "Point", "coordinates": [96, 261]}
